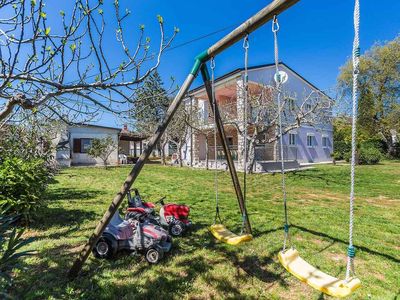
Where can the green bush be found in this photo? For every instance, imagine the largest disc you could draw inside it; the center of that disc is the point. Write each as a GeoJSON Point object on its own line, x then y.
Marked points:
{"type": "Point", "coordinates": [369, 156]}
{"type": "Point", "coordinates": [22, 185]}
{"type": "Point", "coordinates": [376, 143]}
{"type": "Point", "coordinates": [366, 156]}
{"type": "Point", "coordinates": [341, 149]}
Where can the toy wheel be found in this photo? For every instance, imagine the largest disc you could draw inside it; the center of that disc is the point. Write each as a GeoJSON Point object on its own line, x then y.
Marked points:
{"type": "Point", "coordinates": [153, 256]}
{"type": "Point", "coordinates": [103, 248]}
{"type": "Point", "coordinates": [176, 229]}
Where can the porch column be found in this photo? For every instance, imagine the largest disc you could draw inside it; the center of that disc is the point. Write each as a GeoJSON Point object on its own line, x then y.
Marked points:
{"type": "Point", "coordinates": [141, 147]}
{"type": "Point", "coordinates": [134, 149]}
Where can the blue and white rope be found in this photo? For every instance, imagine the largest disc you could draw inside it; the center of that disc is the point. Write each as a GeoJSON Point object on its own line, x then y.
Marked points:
{"type": "Point", "coordinates": [356, 69]}
{"type": "Point", "coordinates": [278, 79]}
{"type": "Point", "coordinates": [212, 66]}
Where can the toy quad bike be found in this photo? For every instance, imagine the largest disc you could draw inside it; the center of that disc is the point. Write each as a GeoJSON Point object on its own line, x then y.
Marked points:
{"type": "Point", "coordinates": [150, 239]}
{"type": "Point", "coordinates": [172, 216]}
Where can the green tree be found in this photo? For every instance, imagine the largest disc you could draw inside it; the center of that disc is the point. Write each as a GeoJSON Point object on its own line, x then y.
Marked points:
{"type": "Point", "coordinates": [102, 148]}
{"type": "Point", "coordinates": [151, 104]}
{"type": "Point", "coordinates": [379, 101]}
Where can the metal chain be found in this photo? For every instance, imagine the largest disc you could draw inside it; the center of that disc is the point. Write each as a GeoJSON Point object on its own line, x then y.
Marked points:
{"type": "Point", "coordinates": [212, 66]}
{"type": "Point", "coordinates": [275, 29]}
{"type": "Point", "coordinates": [356, 70]}
{"type": "Point", "coordinates": [245, 98]}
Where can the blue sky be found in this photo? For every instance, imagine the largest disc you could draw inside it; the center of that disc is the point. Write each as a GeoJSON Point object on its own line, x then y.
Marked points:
{"type": "Point", "coordinates": [315, 37]}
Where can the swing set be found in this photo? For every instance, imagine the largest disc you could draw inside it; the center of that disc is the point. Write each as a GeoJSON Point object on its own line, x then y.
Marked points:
{"type": "Point", "coordinates": [289, 256]}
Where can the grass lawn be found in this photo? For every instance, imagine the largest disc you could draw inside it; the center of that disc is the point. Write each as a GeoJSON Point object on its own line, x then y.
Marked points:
{"type": "Point", "coordinates": [201, 268]}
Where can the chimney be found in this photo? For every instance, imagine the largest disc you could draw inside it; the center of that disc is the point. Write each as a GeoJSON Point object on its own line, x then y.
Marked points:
{"type": "Point", "coordinates": [125, 128]}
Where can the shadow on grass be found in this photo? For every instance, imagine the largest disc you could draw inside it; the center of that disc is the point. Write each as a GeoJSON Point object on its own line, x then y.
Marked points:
{"type": "Point", "coordinates": [44, 277]}
{"type": "Point", "coordinates": [264, 268]}
{"type": "Point", "coordinates": [49, 217]}
{"type": "Point", "coordinates": [321, 234]}
{"type": "Point", "coordinates": [317, 174]}
{"type": "Point", "coordinates": [257, 234]}
{"type": "Point", "coordinates": [71, 194]}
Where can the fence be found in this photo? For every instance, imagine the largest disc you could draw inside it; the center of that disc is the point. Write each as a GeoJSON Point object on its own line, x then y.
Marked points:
{"type": "Point", "coordinates": [221, 154]}
{"type": "Point", "coordinates": [263, 152]}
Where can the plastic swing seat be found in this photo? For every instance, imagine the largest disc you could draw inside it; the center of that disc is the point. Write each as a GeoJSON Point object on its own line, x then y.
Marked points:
{"type": "Point", "coordinates": [221, 233]}
{"type": "Point", "coordinates": [294, 264]}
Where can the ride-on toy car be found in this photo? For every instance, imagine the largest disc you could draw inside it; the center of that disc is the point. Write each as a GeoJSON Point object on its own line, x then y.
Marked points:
{"type": "Point", "coordinates": [172, 216]}
{"type": "Point", "coordinates": [133, 236]}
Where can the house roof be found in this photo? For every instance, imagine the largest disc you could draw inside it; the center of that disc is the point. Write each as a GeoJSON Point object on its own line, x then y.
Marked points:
{"type": "Point", "coordinates": [132, 136]}
{"type": "Point", "coordinates": [124, 134]}
{"type": "Point", "coordinates": [239, 70]}
{"type": "Point", "coordinates": [98, 126]}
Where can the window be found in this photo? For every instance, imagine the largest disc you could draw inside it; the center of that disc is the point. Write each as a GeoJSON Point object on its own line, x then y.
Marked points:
{"type": "Point", "coordinates": [230, 141]}
{"type": "Point", "coordinates": [325, 142]}
{"type": "Point", "coordinates": [310, 140]}
{"type": "Point", "coordinates": [292, 139]}
{"type": "Point", "coordinates": [291, 103]}
{"type": "Point", "coordinates": [81, 145]}
{"type": "Point", "coordinates": [308, 107]}
{"type": "Point", "coordinates": [85, 145]}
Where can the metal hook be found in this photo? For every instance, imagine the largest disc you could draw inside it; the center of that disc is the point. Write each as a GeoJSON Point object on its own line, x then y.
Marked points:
{"type": "Point", "coordinates": [275, 24]}
{"type": "Point", "coordinates": [246, 42]}
{"type": "Point", "coordinates": [212, 63]}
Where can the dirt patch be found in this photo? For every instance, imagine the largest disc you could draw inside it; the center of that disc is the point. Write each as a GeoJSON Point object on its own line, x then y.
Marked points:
{"type": "Point", "coordinates": [296, 287]}
{"type": "Point", "coordinates": [382, 201]}
{"type": "Point", "coordinates": [75, 249]}
{"type": "Point", "coordinates": [325, 196]}
{"type": "Point", "coordinates": [317, 241]}
{"type": "Point", "coordinates": [379, 276]}
{"type": "Point", "coordinates": [337, 256]}
{"type": "Point", "coordinates": [30, 233]}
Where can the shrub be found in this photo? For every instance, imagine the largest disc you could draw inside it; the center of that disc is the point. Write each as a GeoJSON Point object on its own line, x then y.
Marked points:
{"type": "Point", "coordinates": [22, 185]}
{"type": "Point", "coordinates": [369, 156]}
{"type": "Point", "coordinates": [10, 243]}
{"type": "Point", "coordinates": [366, 156]}
{"type": "Point", "coordinates": [376, 143]}
{"type": "Point", "coordinates": [341, 149]}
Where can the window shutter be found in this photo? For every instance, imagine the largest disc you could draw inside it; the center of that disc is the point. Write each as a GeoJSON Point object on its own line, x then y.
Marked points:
{"type": "Point", "coordinates": [77, 145]}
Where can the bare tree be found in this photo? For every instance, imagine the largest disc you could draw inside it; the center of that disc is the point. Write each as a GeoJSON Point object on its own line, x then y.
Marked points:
{"type": "Point", "coordinates": [195, 121]}
{"type": "Point", "coordinates": [177, 131]}
{"type": "Point", "coordinates": [312, 108]}
{"type": "Point", "coordinates": [62, 67]}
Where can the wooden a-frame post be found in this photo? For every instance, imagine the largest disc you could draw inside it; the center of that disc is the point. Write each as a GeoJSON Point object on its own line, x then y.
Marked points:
{"type": "Point", "coordinates": [247, 27]}
{"type": "Point", "coordinates": [225, 146]}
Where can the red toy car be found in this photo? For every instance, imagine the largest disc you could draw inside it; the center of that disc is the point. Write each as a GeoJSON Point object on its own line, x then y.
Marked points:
{"type": "Point", "coordinates": [172, 216]}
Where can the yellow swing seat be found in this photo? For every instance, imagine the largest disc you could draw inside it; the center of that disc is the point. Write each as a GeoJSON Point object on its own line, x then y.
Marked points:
{"type": "Point", "coordinates": [221, 233]}
{"type": "Point", "coordinates": [294, 264]}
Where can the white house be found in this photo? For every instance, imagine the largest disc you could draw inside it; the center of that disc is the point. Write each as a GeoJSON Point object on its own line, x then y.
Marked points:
{"type": "Point", "coordinates": [74, 141]}
{"type": "Point", "coordinates": [309, 143]}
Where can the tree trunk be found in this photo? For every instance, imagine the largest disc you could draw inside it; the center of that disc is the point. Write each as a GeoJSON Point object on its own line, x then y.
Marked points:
{"type": "Point", "coordinates": [207, 157]}
{"type": "Point", "coordinates": [276, 145]}
{"type": "Point", "coordinates": [251, 155]}
{"type": "Point", "coordinates": [180, 144]}
{"type": "Point", "coordinates": [162, 152]}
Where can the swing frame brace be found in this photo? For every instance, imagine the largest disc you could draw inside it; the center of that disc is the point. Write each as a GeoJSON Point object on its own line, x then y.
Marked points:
{"type": "Point", "coordinates": [222, 135]}
{"type": "Point", "coordinates": [254, 22]}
